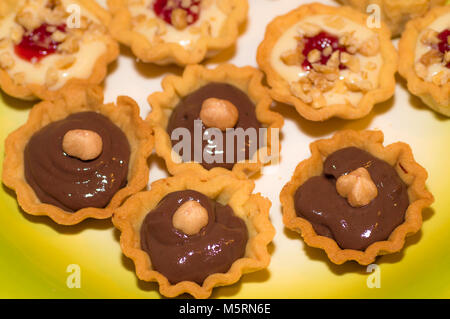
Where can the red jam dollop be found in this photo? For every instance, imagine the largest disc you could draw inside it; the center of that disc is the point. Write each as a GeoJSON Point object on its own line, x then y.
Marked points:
{"type": "Point", "coordinates": [164, 9]}
{"type": "Point", "coordinates": [320, 42]}
{"type": "Point", "coordinates": [443, 45]}
{"type": "Point", "coordinates": [38, 43]}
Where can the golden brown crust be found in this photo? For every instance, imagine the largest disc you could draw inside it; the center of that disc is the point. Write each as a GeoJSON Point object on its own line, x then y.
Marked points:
{"type": "Point", "coordinates": [280, 87]}
{"type": "Point", "coordinates": [33, 91]}
{"type": "Point", "coordinates": [396, 13]}
{"type": "Point", "coordinates": [247, 79]}
{"type": "Point", "coordinates": [164, 53]}
{"type": "Point", "coordinates": [398, 155]}
{"type": "Point", "coordinates": [226, 189]}
{"type": "Point", "coordinates": [435, 96]}
{"type": "Point", "coordinates": [125, 114]}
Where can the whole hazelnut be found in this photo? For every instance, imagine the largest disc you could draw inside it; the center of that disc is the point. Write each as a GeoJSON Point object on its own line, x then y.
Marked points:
{"type": "Point", "coordinates": [85, 145]}
{"type": "Point", "coordinates": [190, 217]}
{"type": "Point", "coordinates": [357, 187]}
{"type": "Point", "coordinates": [218, 113]}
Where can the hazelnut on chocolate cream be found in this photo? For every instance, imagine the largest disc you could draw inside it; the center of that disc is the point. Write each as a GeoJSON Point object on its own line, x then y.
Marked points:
{"type": "Point", "coordinates": [358, 187]}
{"type": "Point", "coordinates": [85, 145]}
{"type": "Point", "coordinates": [219, 113]}
{"type": "Point", "coordinates": [190, 217]}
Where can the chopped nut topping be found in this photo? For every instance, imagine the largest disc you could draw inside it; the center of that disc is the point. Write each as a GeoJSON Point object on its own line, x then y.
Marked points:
{"type": "Point", "coordinates": [328, 51]}
{"type": "Point", "coordinates": [431, 57]}
{"type": "Point", "coordinates": [350, 62]}
{"type": "Point", "coordinates": [421, 70]}
{"type": "Point", "coordinates": [6, 61]}
{"type": "Point", "coordinates": [28, 19]}
{"type": "Point", "coordinates": [292, 57]}
{"type": "Point", "coordinates": [4, 43]}
{"type": "Point", "coordinates": [17, 34]}
{"type": "Point", "coordinates": [70, 45]}
{"type": "Point", "coordinates": [65, 62]}
{"type": "Point", "coordinates": [430, 37]}
{"type": "Point", "coordinates": [180, 19]}
{"type": "Point", "coordinates": [370, 47]}
{"type": "Point", "coordinates": [51, 77]}
{"type": "Point", "coordinates": [297, 90]}
{"type": "Point", "coordinates": [59, 36]}
{"type": "Point", "coordinates": [310, 29]}
{"type": "Point", "coordinates": [314, 56]}
{"type": "Point", "coordinates": [360, 85]}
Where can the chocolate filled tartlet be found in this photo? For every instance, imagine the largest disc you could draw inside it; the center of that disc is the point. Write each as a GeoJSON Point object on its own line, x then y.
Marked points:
{"type": "Point", "coordinates": [225, 112]}
{"type": "Point", "coordinates": [355, 198]}
{"type": "Point", "coordinates": [353, 227]}
{"type": "Point", "coordinates": [195, 231]}
{"type": "Point", "coordinates": [67, 181]}
{"type": "Point", "coordinates": [184, 254]}
{"type": "Point", "coordinates": [193, 106]}
{"type": "Point", "coordinates": [77, 158]}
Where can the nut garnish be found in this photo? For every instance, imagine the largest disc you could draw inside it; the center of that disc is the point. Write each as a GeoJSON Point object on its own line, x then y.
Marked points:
{"type": "Point", "coordinates": [51, 77]}
{"type": "Point", "coordinates": [370, 47]}
{"type": "Point", "coordinates": [179, 18]}
{"type": "Point", "coordinates": [314, 56]}
{"type": "Point", "coordinates": [431, 57]}
{"type": "Point", "coordinates": [6, 60]}
{"type": "Point", "coordinates": [292, 57]}
{"type": "Point", "coordinates": [430, 37]}
{"type": "Point", "coordinates": [85, 145]}
{"type": "Point", "coordinates": [357, 187]}
{"type": "Point", "coordinates": [190, 217]}
{"type": "Point", "coordinates": [221, 114]}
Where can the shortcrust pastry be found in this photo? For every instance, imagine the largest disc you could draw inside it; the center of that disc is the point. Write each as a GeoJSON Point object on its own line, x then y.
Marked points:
{"type": "Point", "coordinates": [374, 196]}
{"type": "Point", "coordinates": [47, 44]}
{"type": "Point", "coordinates": [78, 158]}
{"type": "Point", "coordinates": [327, 62]}
{"type": "Point", "coordinates": [211, 104]}
{"type": "Point", "coordinates": [196, 231]}
{"type": "Point", "coordinates": [177, 31]}
{"type": "Point", "coordinates": [424, 51]}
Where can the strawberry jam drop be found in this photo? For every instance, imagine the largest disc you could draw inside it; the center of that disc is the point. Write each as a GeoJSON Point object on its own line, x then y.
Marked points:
{"type": "Point", "coordinates": [38, 43]}
{"type": "Point", "coordinates": [320, 42]}
{"type": "Point", "coordinates": [164, 9]}
{"type": "Point", "coordinates": [444, 45]}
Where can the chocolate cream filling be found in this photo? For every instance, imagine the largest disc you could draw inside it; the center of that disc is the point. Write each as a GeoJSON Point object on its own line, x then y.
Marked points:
{"type": "Point", "coordinates": [70, 183]}
{"type": "Point", "coordinates": [318, 201]}
{"type": "Point", "coordinates": [188, 110]}
{"type": "Point", "coordinates": [181, 257]}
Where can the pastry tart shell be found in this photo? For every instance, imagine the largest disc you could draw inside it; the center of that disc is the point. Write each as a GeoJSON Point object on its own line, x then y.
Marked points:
{"type": "Point", "coordinates": [124, 114]}
{"type": "Point", "coordinates": [398, 155]}
{"type": "Point", "coordinates": [34, 91]}
{"type": "Point", "coordinates": [224, 188]}
{"type": "Point", "coordinates": [437, 97]}
{"type": "Point", "coordinates": [164, 53]}
{"type": "Point", "coordinates": [280, 90]}
{"type": "Point", "coordinates": [247, 79]}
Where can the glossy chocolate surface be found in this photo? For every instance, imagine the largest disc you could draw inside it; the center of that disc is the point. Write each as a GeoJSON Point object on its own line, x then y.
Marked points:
{"type": "Point", "coordinates": [181, 257]}
{"type": "Point", "coordinates": [331, 215]}
{"type": "Point", "coordinates": [70, 183]}
{"type": "Point", "coordinates": [188, 110]}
